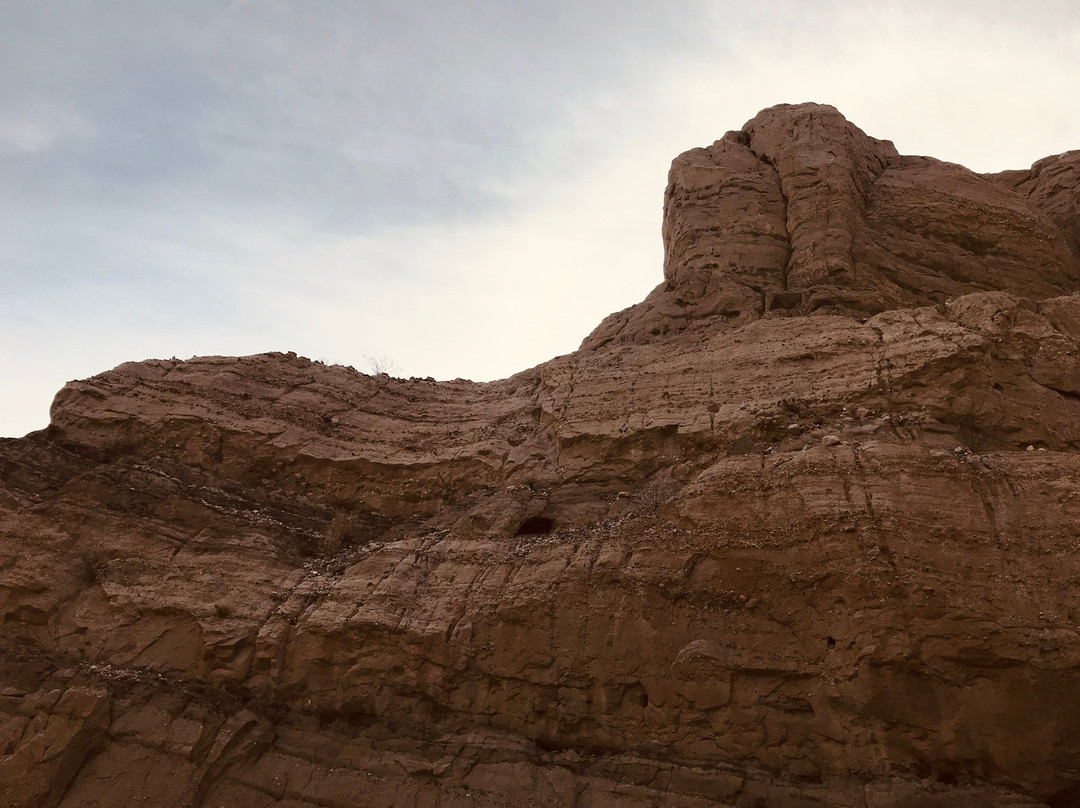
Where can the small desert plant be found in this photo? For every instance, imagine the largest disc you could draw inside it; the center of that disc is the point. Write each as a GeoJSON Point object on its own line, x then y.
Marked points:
{"type": "Point", "coordinates": [381, 366]}
{"type": "Point", "coordinates": [771, 429]}
{"type": "Point", "coordinates": [976, 422]}
{"type": "Point", "coordinates": [656, 492]}
{"type": "Point", "coordinates": [344, 530]}
{"type": "Point", "coordinates": [794, 406]}
{"type": "Point", "coordinates": [90, 567]}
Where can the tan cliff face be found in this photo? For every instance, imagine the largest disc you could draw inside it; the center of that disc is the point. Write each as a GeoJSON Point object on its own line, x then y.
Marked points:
{"type": "Point", "coordinates": [801, 528]}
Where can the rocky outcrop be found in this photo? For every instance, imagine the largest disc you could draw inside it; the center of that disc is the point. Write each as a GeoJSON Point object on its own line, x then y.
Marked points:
{"type": "Point", "coordinates": [800, 210]}
{"type": "Point", "coordinates": [799, 529]}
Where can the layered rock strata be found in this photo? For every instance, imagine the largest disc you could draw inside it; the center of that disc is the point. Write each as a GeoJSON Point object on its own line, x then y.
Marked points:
{"type": "Point", "coordinates": [800, 210]}
{"type": "Point", "coordinates": [800, 529]}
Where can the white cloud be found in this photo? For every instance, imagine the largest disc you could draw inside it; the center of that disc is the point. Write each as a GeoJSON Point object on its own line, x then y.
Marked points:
{"type": "Point", "coordinates": [36, 129]}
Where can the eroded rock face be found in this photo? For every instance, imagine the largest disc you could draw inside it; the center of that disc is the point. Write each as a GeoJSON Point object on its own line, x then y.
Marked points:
{"type": "Point", "coordinates": [813, 544]}
{"type": "Point", "coordinates": [801, 210]}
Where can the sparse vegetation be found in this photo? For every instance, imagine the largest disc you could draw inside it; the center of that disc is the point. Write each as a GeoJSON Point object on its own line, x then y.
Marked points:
{"type": "Point", "coordinates": [976, 421]}
{"type": "Point", "coordinates": [381, 366]}
{"type": "Point", "coordinates": [771, 428]}
{"type": "Point", "coordinates": [344, 530]}
{"type": "Point", "coordinates": [794, 406]}
{"type": "Point", "coordinates": [656, 492]}
{"type": "Point", "coordinates": [90, 564]}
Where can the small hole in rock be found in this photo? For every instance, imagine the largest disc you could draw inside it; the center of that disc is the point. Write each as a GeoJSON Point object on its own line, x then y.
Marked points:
{"type": "Point", "coordinates": [948, 777]}
{"type": "Point", "coordinates": [636, 694]}
{"type": "Point", "coordinates": [831, 642]}
{"type": "Point", "coordinates": [536, 526]}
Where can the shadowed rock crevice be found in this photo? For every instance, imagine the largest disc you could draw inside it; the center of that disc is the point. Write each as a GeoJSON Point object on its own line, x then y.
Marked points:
{"type": "Point", "coordinates": [536, 526]}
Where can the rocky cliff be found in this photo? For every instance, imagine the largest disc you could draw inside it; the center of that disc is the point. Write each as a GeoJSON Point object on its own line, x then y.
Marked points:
{"type": "Point", "coordinates": [800, 529]}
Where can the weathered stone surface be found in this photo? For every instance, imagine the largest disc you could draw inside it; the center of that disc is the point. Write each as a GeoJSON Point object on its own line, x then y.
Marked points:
{"type": "Point", "coordinates": [791, 550]}
{"type": "Point", "coordinates": [801, 210]}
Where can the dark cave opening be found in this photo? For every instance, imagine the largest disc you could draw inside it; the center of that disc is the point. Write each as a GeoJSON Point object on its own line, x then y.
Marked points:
{"type": "Point", "coordinates": [536, 526]}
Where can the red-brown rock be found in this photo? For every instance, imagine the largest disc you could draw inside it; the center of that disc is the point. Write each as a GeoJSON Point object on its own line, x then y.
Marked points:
{"type": "Point", "coordinates": [800, 529]}
{"type": "Point", "coordinates": [800, 210]}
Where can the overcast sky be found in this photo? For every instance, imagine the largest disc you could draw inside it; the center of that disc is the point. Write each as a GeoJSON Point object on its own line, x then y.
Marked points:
{"type": "Point", "coordinates": [465, 188]}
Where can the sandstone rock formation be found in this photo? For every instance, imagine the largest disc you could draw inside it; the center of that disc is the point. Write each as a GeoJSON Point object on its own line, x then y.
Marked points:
{"type": "Point", "coordinates": [800, 529]}
{"type": "Point", "coordinates": [802, 211]}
